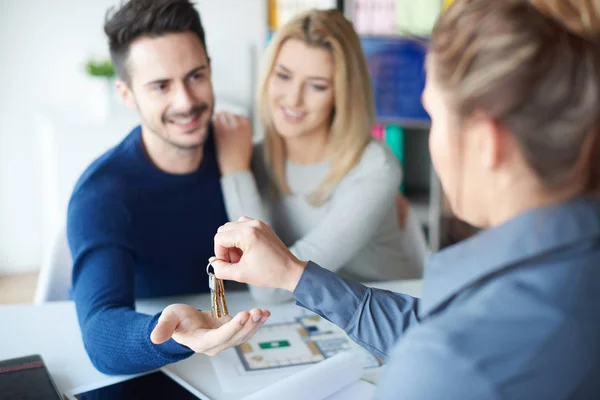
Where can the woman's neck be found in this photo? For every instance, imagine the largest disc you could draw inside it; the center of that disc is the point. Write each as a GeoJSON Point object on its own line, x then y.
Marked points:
{"type": "Point", "coordinates": [307, 149]}
{"type": "Point", "coordinates": [529, 199]}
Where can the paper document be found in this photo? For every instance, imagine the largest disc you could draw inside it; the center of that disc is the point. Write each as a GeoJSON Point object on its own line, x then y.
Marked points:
{"type": "Point", "coordinates": [298, 340]}
{"type": "Point", "coordinates": [333, 379]}
{"type": "Point", "coordinates": [307, 340]}
{"type": "Point", "coordinates": [359, 390]}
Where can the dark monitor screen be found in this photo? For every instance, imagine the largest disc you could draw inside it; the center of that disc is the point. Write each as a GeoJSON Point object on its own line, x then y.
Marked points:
{"type": "Point", "coordinates": [156, 385]}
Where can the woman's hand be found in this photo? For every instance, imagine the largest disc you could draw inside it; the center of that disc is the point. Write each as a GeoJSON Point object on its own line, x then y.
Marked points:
{"type": "Point", "coordinates": [249, 251]}
{"type": "Point", "coordinates": [233, 139]}
{"type": "Point", "coordinates": [402, 208]}
{"type": "Point", "coordinates": [203, 333]}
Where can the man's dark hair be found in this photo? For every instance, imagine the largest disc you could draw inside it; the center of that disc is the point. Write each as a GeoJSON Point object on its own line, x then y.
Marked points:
{"type": "Point", "coordinates": [153, 18]}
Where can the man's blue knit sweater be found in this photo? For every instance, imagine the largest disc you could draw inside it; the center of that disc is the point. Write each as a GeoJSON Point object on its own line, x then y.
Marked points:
{"type": "Point", "coordinates": [137, 232]}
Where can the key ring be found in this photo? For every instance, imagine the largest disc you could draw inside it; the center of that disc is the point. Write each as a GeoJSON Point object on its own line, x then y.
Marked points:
{"type": "Point", "coordinates": [208, 267]}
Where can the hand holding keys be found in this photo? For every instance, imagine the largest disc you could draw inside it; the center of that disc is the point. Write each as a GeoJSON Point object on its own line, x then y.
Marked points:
{"type": "Point", "coordinates": [204, 332]}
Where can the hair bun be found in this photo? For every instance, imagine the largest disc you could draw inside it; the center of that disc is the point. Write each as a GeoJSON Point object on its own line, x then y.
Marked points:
{"type": "Point", "coordinates": [581, 17]}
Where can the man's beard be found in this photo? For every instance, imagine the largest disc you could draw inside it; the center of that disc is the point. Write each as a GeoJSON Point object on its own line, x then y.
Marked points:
{"type": "Point", "coordinates": [194, 112]}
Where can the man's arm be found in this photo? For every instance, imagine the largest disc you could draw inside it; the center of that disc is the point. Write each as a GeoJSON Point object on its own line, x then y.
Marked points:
{"type": "Point", "coordinates": [116, 337]}
{"type": "Point", "coordinates": [373, 318]}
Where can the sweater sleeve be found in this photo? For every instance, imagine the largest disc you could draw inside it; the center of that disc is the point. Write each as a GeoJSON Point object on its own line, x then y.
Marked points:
{"type": "Point", "coordinates": [115, 336]}
{"type": "Point", "coordinates": [355, 211]}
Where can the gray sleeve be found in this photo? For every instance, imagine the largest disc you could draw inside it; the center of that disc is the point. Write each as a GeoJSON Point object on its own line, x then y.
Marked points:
{"type": "Point", "coordinates": [356, 210]}
{"type": "Point", "coordinates": [373, 318]}
{"type": "Point", "coordinates": [242, 197]}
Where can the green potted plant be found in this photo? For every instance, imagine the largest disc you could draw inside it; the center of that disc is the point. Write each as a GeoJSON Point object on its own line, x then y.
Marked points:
{"type": "Point", "coordinates": [102, 68]}
{"type": "Point", "coordinates": [102, 90]}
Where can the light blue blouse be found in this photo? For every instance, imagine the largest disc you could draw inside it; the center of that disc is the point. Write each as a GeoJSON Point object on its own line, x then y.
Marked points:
{"type": "Point", "coordinates": [513, 312]}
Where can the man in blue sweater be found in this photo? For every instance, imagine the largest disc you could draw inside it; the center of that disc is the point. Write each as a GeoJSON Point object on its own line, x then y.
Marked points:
{"type": "Point", "coordinates": [142, 218]}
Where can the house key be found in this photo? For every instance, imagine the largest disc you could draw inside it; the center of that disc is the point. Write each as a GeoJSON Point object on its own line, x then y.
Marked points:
{"type": "Point", "coordinates": [218, 306]}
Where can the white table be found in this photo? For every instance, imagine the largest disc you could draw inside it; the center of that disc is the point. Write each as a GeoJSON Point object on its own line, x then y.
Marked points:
{"type": "Point", "coordinates": [51, 330]}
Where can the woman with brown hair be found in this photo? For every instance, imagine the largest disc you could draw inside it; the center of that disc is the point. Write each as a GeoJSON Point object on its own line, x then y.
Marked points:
{"type": "Point", "coordinates": [513, 89]}
{"type": "Point", "coordinates": [327, 188]}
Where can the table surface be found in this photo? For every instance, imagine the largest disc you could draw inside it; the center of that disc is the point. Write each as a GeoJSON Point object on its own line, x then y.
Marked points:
{"type": "Point", "coordinates": [52, 331]}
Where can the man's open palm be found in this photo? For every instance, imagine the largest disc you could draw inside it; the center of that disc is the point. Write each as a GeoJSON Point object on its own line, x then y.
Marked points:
{"type": "Point", "coordinates": [203, 333]}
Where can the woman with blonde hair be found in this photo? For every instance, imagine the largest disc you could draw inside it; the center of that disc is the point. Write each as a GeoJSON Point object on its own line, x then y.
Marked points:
{"type": "Point", "coordinates": [513, 90]}
{"type": "Point", "coordinates": [327, 188]}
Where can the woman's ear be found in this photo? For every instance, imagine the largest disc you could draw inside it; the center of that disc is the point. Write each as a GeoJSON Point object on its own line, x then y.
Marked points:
{"type": "Point", "coordinates": [492, 140]}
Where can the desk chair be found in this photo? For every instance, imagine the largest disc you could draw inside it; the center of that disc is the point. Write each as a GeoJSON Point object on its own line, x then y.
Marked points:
{"type": "Point", "coordinates": [54, 280]}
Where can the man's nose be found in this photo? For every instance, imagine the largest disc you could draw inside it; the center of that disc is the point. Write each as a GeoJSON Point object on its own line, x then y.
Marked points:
{"type": "Point", "coordinates": [183, 99]}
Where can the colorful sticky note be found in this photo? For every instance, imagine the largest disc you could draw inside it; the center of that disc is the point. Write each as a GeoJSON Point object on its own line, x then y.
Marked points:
{"type": "Point", "coordinates": [394, 138]}
{"type": "Point", "coordinates": [378, 131]}
{"type": "Point", "coordinates": [447, 3]}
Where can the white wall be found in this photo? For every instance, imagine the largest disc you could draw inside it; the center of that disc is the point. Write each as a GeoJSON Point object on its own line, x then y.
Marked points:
{"type": "Point", "coordinates": [43, 46]}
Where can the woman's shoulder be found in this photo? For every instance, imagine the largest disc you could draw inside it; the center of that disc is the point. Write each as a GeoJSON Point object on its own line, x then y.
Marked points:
{"type": "Point", "coordinates": [377, 159]}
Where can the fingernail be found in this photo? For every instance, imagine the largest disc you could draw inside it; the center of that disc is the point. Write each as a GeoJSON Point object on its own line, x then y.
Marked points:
{"type": "Point", "coordinates": [243, 321]}
{"type": "Point", "coordinates": [256, 318]}
{"type": "Point", "coordinates": [264, 319]}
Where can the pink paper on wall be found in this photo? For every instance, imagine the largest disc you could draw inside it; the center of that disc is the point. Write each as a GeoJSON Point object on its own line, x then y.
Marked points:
{"type": "Point", "coordinates": [378, 132]}
{"type": "Point", "coordinates": [384, 17]}
{"type": "Point", "coordinates": [361, 18]}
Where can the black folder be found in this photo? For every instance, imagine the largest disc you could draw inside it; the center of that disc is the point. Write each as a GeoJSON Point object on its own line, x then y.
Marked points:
{"type": "Point", "coordinates": [27, 378]}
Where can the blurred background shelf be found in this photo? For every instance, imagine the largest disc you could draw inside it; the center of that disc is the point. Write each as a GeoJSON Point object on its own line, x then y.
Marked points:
{"type": "Point", "coordinates": [406, 123]}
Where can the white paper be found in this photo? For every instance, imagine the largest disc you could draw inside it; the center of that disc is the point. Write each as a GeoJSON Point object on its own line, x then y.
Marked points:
{"type": "Point", "coordinates": [230, 372]}
{"type": "Point", "coordinates": [316, 382]}
{"type": "Point", "coordinates": [232, 377]}
{"type": "Point", "coordinates": [359, 390]}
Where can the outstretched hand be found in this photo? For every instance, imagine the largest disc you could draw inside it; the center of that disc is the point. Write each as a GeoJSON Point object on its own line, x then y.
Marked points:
{"type": "Point", "coordinates": [203, 333]}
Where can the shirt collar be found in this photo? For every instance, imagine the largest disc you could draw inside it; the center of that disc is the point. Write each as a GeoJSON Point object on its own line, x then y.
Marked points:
{"type": "Point", "coordinates": [526, 236]}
